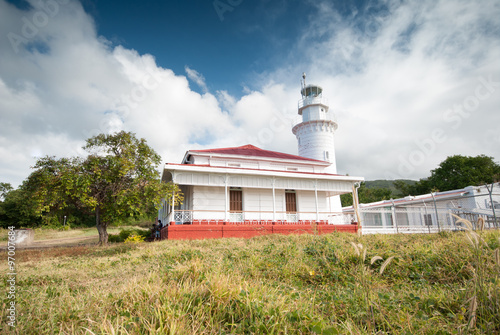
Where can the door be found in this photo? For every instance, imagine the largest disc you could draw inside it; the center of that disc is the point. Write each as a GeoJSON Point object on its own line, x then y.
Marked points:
{"type": "Point", "coordinates": [236, 205]}
{"type": "Point", "coordinates": [291, 206]}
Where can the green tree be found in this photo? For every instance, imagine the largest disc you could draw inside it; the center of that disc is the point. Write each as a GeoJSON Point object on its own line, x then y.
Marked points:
{"type": "Point", "coordinates": [402, 188]}
{"type": "Point", "coordinates": [461, 171]}
{"type": "Point", "coordinates": [455, 172]}
{"type": "Point", "coordinates": [5, 188]}
{"type": "Point", "coordinates": [367, 195]}
{"type": "Point", "coordinates": [118, 179]}
{"type": "Point", "coordinates": [17, 210]}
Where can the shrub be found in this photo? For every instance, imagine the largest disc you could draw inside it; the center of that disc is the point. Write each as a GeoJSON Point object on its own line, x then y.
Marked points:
{"type": "Point", "coordinates": [125, 234]}
{"type": "Point", "coordinates": [134, 239]}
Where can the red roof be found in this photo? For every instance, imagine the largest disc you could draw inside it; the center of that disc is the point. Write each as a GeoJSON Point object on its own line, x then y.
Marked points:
{"type": "Point", "coordinates": [250, 150]}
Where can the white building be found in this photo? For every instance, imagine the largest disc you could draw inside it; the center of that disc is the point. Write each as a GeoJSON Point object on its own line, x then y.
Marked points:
{"type": "Point", "coordinates": [249, 184]}
{"type": "Point", "coordinates": [431, 212]}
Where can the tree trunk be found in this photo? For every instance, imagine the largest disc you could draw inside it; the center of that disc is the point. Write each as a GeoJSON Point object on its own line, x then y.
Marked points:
{"type": "Point", "coordinates": [101, 228]}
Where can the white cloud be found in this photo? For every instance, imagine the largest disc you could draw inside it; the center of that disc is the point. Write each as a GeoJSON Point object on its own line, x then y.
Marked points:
{"type": "Point", "coordinates": [392, 76]}
{"type": "Point", "coordinates": [77, 86]}
{"type": "Point", "coordinates": [197, 77]}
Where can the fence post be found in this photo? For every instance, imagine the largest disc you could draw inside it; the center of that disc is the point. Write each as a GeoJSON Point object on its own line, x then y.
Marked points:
{"type": "Point", "coordinates": [428, 226]}
{"type": "Point", "coordinates": [356, 204]}
{"type": "Point", "coordinates": [436, 210]}
{"type": "Point", "coordinates": [394, 216]}
{"type": "Point", "coordinates": [491, 202]}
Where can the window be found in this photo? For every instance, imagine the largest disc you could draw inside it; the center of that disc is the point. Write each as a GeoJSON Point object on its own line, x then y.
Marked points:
{"type": "Point", "coordinates": [235, 200]}
{"type": "Point", "coordinates": [233, 165]}
{"type": "Point", "coordinates": [428, 219]}
{"type": "Point", "coordinates": [292, 169]}
{"type": "Point", "coordinates": [327, 156]}
{"type": "Point", "coordinates": [291, 201]}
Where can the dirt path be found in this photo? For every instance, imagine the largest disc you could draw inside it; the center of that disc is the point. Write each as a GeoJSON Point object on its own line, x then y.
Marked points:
{"type": "Point", "coordinates": [59, 242]}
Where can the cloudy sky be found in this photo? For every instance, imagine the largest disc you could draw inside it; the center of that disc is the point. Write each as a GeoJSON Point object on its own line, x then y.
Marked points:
{"type": "Point", "coordinates": [411, 82]}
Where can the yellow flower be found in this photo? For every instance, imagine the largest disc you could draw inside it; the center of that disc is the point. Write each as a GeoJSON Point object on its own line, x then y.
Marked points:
{"type": "Point", "coordinates": [311, 273]}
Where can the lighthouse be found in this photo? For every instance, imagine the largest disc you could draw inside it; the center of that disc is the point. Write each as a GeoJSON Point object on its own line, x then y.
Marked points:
{"type": "Point", "coordinates": [315, 130]}
{"type": "Point", "coordinates": [316, 126]}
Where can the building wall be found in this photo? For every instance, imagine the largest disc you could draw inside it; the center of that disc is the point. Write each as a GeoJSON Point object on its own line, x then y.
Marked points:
{"type": "Point", "coordinates": [314, 112]}
{"type": "Point", "coordinates": [306, 204]}
{"type": "Point", "coordinates": [316, 141]}
{"type": "Point", "coordinates": [257, 164]}
{"type": "Point", "coordinates": [258, 204]}
{"type": "Point", "coordinates": [482, 197]}
{"type": "Point", "coordinates": [209, 203]}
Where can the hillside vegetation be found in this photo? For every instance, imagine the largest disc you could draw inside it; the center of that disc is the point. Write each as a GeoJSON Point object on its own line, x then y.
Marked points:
{"type": "Point", "coordinates": [388, 184]}
{"type": "Point", "coordinates": [302, 284]}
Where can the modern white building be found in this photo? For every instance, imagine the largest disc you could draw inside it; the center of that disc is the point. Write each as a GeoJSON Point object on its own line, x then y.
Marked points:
{"type": "Point", "coordinates": [431, 212]}
{"type": "Point", "coordinates": [252, 185]}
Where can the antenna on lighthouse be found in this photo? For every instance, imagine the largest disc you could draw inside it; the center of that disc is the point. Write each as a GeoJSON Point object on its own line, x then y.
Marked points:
{"type": "Point", "coordinates": [303, 80]}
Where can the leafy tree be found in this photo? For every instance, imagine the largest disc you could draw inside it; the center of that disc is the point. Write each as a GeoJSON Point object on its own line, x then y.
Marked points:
{"type": "Point", "coordinates": [17, 210]}
{"type": "Point", "coordinates": [367, 195]}
{"type": "Point", "coordinates": [5, 188]}
{"type": "Point", "coordinates": [118, 179]}
{"type": "Point", "coordinates": [455, 172]}
{"type": "Point", "coordinates": [461, 171]}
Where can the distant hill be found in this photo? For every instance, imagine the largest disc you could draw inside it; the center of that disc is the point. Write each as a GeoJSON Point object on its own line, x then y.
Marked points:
{"type": "Point", "coordinates": [381, 183]}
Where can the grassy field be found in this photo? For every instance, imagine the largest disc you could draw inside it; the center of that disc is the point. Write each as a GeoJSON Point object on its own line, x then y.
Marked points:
{"type": "Point", "coordinates": [436, 284]}
{"type": "Point", "coordinates": [49, 235]}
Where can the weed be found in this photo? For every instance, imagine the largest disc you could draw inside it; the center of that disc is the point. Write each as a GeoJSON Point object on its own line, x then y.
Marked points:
{"type": "Point", "coordinates": [364, 277]}
{"type": "Point", "coordinates": [484, 292]}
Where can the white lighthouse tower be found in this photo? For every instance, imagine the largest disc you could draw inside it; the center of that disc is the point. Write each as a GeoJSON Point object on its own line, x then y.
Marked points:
{"type": "Point", "coordinates": [315, 131]}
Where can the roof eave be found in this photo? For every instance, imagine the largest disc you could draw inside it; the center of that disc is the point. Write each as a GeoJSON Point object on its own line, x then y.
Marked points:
{"type": "Point", "coordinates": [257, 172]}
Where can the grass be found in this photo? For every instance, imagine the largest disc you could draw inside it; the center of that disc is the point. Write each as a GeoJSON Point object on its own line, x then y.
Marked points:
{"type": "Point", "coordinates": [300, 284]}
{"type": "Point", "coordinates": [45, 234]}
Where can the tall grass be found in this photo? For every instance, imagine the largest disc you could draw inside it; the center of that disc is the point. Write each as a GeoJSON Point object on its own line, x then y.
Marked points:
{"type": "Point", "coordinates": [484, 292]}
{"type": "Point", "coordinates": [267, 285]}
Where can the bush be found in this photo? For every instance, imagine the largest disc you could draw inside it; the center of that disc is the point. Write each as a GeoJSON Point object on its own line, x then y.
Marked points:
{"type": "Point", "coordinates": [134, 239]}
{"type": "Point", "coordinates": [125, 234]}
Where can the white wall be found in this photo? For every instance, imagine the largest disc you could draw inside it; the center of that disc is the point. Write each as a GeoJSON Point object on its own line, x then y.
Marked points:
{"type": "Point", "coordinates": [314, 140]}
{"type": "Point", "coordinates": [258, 164]}
{"type": "Point", "coordinates": [209, 202]}
{"type": "Point", "coordinates": [306, 205]}
{"type": "Point", "coordinates": [258, 204]}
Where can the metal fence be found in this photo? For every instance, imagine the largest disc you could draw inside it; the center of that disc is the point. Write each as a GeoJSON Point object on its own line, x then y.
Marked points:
{"type": "Point", "coordinates": [431, 217]}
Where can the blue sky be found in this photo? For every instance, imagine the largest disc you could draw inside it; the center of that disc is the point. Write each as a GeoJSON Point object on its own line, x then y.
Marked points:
{"type": "Point", "coordinates": [410, 82]}
{"type": "Point", "coordinates": [229, 42]}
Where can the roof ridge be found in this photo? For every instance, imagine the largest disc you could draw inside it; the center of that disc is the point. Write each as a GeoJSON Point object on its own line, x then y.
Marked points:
{"type": "Point", "coordinates": [251, 150]}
